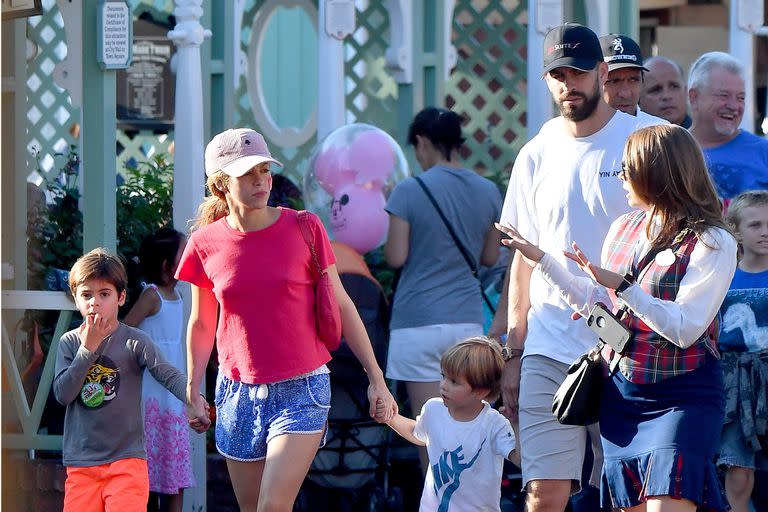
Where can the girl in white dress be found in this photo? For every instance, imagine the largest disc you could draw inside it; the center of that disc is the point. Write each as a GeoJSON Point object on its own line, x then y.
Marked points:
{"type": "Point", "coordinates": [158, 312]}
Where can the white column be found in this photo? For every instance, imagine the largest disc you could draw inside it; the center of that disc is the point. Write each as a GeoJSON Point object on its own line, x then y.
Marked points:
{"type": "Point", "coordinates": [542, 16]}
{"type": "Point", "coordinates": [598, 16]}
{"type": "Point", "coordinates": [189, 172]}
{"type": "Point", "coordinates": [330, 80]}
{"type": "Point", "coordinates": [745, 18]}
{"type": "Point", "coordinates": [189, 146]}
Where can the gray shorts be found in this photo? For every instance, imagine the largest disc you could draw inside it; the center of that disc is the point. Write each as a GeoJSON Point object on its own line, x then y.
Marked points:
{"type": "Point", "coordinates": [549, 450]}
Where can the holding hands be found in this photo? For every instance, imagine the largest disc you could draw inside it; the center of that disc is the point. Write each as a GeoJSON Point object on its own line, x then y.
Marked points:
{"type": "Point", "coordinates": [198, 413]}
{"type": "Point", "coordinates": [383, 406]}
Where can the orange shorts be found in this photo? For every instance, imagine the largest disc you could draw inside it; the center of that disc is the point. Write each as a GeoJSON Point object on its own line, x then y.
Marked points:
{"type": "Point", "coordinates": [122, 486]}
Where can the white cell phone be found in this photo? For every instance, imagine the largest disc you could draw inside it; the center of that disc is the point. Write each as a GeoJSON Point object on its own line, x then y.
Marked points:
{"type": "Point", "coordinates": [608, 327]}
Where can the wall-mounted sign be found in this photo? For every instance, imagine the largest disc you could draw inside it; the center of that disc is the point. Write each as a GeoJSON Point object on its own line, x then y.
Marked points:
{"type": "Point", "coordinates": [114, 34]}
{"type": "Point", "coordinates": [21, 8]}
{"type": "Point", "coordinates": [145, 90]}
{"type": "Point", "coordinates": [339, 18]}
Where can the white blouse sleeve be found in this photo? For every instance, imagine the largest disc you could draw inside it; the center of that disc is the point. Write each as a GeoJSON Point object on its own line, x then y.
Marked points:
{"type": "Point", "coordinates": [702, 290]}
{"type": "Point", "coordinates": [579, 292]}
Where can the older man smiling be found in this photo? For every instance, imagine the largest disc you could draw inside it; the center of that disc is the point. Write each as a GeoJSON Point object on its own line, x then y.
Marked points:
{"type": "Point", "coordinates": [737, 160]}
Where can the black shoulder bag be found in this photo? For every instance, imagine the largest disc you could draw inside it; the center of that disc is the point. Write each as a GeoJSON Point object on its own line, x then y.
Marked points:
{"type": "Point", "coordinates": [577, 400]}
{"type": "Point", "coordinates": [458, 243]}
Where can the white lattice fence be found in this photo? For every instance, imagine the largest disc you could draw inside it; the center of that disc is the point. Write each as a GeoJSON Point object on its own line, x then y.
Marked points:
{"type": "Point", "coordinates": [50, 113]}
{"type": "Point", "coordinates": [371, 90]}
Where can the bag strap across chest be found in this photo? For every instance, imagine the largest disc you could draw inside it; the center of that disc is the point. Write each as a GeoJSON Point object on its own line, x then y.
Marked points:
{"type": "Point", "coordinates": [303, 217]}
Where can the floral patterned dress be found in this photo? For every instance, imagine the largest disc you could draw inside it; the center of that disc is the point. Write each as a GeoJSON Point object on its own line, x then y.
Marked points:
{"type": "Point", "coordinates": [165, 420]}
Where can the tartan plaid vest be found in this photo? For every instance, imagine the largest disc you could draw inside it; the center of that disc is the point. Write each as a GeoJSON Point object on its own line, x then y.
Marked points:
{"type": "Point", "coordinates": [649, 357]}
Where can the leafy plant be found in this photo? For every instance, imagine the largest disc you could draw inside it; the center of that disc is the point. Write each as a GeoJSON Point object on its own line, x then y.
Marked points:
{"type": "Point", "coordinates": [55, 230]}
{"type": "Point", "coordinates": [144, 203]}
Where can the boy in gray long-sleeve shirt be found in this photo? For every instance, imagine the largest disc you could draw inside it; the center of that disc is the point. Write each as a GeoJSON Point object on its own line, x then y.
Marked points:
{"type": "Point", "coordinates": [98, 378]}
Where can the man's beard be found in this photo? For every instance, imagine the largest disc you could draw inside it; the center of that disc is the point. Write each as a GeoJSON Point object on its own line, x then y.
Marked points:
{"type": "Point", "coordinates": [588, 106]}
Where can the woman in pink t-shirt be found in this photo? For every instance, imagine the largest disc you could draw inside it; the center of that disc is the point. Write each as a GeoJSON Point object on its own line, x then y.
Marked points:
{"type": "Point", "coordinates": [253, 291]}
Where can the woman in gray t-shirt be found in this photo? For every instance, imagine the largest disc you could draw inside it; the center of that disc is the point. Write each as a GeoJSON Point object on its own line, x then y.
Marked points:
{"type": "Point", "coordinates": [437, 302]}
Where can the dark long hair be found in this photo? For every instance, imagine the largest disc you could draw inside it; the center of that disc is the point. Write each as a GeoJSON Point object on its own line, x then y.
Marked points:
{"type": "Point", "coordinates": [158, 250]}
{"type": "Point", "coordinates": [440, 126]}
{"type": "Point", "coordinates": [667, 171]}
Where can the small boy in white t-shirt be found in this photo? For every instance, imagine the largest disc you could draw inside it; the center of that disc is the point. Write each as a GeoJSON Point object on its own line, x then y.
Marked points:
{"type": "Point", "coordinates": [467, 440]}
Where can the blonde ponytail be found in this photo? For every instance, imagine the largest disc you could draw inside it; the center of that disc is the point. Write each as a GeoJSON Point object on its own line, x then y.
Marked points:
{"type": "Point", "coordinates": [214, 206]}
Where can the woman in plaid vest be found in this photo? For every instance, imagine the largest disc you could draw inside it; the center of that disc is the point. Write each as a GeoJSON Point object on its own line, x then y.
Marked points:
{"type": "Point", "coordinates": [669, 264]}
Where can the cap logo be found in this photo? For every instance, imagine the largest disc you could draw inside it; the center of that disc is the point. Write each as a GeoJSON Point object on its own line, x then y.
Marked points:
{"type": "Point", "coordinates": [617, 45]}
{"type": "Point", "coordinates": [612, 58]}
{"type": "Point", "coordinates": [563, 46]}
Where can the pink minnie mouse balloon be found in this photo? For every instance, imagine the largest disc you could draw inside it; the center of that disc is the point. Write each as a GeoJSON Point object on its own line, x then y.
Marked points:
{"type": "Point", "coordinates": [372, 156]}
{"type": "Point", "coordinates": [332, 169]}
{"type": "Point", "coordinates": [358, 218]}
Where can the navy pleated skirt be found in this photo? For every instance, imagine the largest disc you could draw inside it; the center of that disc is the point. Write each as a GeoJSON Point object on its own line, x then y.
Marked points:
{"type": "Point", "coordinates": [661, 439]}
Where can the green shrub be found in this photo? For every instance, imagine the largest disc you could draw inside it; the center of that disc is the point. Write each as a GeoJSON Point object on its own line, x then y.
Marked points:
{"type": "Point", "coordinates": [55, 231]}
{"type": "Point", "coordinates": [144, 203]}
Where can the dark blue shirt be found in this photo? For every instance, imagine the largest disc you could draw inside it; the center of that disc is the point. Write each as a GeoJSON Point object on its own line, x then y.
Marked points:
{"type": "Point", "coordinates": [739, 165]}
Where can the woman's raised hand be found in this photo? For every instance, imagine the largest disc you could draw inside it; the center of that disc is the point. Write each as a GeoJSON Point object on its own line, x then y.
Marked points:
{"type": "Point", "coordinates": [529, 251]}
{"type": "Point", "coordinates": [598, 274]}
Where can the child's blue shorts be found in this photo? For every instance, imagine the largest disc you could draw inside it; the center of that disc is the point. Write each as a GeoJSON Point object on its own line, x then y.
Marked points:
{"type": "Point", "coordinates": [248, 416]}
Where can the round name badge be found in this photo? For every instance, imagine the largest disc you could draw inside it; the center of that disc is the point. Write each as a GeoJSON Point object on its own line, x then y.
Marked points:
{"type": "Point", "coordinates": [665, 258]}
{"type": "Point", "coordinates": [92, 394]}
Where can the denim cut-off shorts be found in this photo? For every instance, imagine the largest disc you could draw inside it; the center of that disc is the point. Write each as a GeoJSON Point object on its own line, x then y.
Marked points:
{"type": "Point", "coordinates": [248, 416]}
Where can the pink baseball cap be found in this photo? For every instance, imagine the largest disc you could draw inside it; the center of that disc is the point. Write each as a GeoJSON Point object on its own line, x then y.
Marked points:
{"type": "Point", "coordinates": [236, 151]}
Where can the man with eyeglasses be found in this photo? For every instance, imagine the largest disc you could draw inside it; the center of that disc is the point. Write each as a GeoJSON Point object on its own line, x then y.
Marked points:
{"type": "Point", "coordinates": [564, 187]}
{"type": "Point", "coordinates": [737, 160]}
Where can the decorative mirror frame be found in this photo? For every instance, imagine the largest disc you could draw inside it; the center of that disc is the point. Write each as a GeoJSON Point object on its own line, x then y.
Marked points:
{"type": "Point", "coordinates": [284, 137]}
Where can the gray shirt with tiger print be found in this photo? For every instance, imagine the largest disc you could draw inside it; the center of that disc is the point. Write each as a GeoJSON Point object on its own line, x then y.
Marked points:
{"type": "Point", "coordinates": [104, 420]}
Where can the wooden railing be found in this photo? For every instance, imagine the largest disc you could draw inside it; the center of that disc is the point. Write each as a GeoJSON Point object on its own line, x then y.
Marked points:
{"type": "Point", "coordinates": [30, 416]}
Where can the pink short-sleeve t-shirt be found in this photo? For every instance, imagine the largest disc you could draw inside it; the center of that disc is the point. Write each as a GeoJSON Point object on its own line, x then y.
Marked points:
{"type": "Point", "coordinates": [264, 283]}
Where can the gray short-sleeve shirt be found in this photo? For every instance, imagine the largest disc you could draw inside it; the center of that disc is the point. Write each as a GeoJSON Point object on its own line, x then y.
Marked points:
{"type": "Point", "coordinates": [436, 285]}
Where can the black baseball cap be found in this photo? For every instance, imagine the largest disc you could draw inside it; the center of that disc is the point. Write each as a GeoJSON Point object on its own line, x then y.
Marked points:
{"type": "Point", "coordinates": [573, 46]}
{"type": "Point", "coordinates": [620, 51]}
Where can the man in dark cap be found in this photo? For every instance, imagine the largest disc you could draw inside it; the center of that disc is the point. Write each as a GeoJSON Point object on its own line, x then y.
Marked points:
{"type": "Point", "coordinates": [564, 187]}
{"type": "Point", "coordinates": [625, 75]}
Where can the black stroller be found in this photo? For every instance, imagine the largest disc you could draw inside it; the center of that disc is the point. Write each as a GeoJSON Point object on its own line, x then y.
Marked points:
{"type": "Point", "coordinates": [352, 471]}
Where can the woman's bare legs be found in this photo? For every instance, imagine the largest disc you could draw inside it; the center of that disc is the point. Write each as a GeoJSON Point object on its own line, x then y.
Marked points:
{"type": "Point", "coordinates": [246, 481]}
{"type": "Point", "coordinates": [288, 459]}
{"type": "Point", "coordinates": [280, 475]}
{"type": "Point", "coordinates": [419, 393]}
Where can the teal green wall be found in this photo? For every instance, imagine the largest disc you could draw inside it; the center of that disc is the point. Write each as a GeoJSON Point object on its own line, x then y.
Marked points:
{"type": "Point", "coordinates": [289, 67]}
